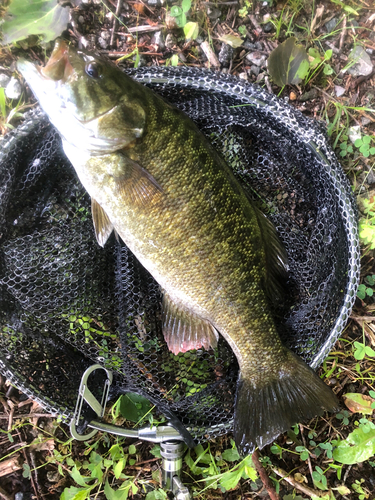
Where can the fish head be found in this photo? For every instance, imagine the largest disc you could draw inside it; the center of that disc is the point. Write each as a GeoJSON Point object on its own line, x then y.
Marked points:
{"type": "Point", "coordinates": [93, 104]}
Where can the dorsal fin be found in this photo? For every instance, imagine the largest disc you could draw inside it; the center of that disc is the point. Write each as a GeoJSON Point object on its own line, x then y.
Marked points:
{"type": "Point", "coordinates": [183, 330]}
{"type": "Point", "coordinates": [276, 259]}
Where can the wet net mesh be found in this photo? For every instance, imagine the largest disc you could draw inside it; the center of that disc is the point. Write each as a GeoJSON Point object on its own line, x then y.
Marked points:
{"type": "Point", "coordinates": [66, 303]}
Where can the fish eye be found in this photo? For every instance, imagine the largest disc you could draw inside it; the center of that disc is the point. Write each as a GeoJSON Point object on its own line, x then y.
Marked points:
{"type": "Point", "coordinates": [93, 69]}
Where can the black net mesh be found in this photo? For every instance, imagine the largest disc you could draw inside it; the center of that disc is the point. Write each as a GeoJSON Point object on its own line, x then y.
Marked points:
{"type": "Point", "coordinates": [66, 303]}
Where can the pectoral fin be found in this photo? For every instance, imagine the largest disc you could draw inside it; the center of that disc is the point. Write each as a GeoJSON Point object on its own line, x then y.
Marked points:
{"type": "Point", "coordinates": [102, 225]}
{"type": "Point", "coordinates": [136, 184]}
{"type": "Point", "coordinates": [184, 331]}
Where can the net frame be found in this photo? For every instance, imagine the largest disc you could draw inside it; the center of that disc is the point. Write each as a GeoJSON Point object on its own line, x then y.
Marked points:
{"type": "Point", "coordinates": [236, 117]}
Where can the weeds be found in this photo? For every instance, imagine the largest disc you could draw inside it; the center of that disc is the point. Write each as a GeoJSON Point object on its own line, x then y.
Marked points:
{"type": "Point", "coordinates": [9, 112]}
{"type": "Point", "coordinates": [367, 225]}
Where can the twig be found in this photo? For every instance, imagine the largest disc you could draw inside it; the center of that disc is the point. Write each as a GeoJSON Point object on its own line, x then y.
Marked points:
{"type": "Point", "coordinates": [264, 476]}
{"type": "Point", "coordinates": [346, 474]}
{"type": "Point", "coordinates": [28, 463]}
{"type": "Point", "coordinates": [10, 416]}
{"type": "Point", "coordinates": [235, 2]}
{"type": "Point", "coordinates": [5, 404]}
{"type": "Point", "coordinates": [115, 22]}
{"type": "Point", "coordinates": [31, 415]}
{"type": "Point", "coordinates": [144, 29]}
{"type": "Point", "coordinates": [32, 458]}
{"type": "Point", "coordinates": [255, 23]}
{"type": "Point", "coordinates": [268, 85]}
{"type": "Point", "coordinates": [308, 456]}
{"type": "Point", "coordinates": [362, 318]}
{"type": "Point", "coordinates": [210, 54]}
{"type": "Point", "coordinates": [342, 33]}
{"type": "Point", "coordinates": [4, 495]}
{"type": "Point", "coordinates": [301, 487]}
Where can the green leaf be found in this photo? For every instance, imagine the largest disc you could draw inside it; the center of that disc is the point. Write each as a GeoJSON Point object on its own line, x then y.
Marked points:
{"type": "Point", "coordinates": [34, 17]}
{"type": "Point", "coordinates": [176, 11]}
{"type": "Point", "coordinates": [366, 139]}
{"type": "Point", "coordinates": [232, 40]}
{"type": "Point", "coordinates": [78, 478]}
{"type": "Point", "coordinates": [230, 479]}
{"type": "Point", "coordinates": [328, 54]}
{"type": "Point", "coordinates": [132, 449]}
{"type": "Point", "coordinates": [155, 450]}
{"type": "Point", "coordinates": [74, 493]}
{"type": "Point", "coordinates": [133, 407]}
{"type": "Point", "coordinates": [288, 63]}
{"type": "Point", "coordinates": [315, 57]}
{"type": "Point", "coordinates": [358, 403]}
{"type": "Point", "coordinates": [116, 452]}
{"type": "Point", "coordinates": [186, 5]}
{"type": "Point", "coordinates": [108, 491]}
{"type": "Point", "coordinates": [174, 60]}
{"type": "Point", "coordinates": [3, 103]}
{"type": "Point", "coordinates": [119, 467]}
{"type": "Point", "coordinates": [230, 455]}
{"type": "Point", "coordinates": [181, 20]}
{"type": "Point", "coordinates": [191, 30]}
{"type": "Point", "coordinates": [342, 490]}
{"type": "Point", "coordinates": [358, 447]}
{"type": "Point", "coordinates": [347, 8]}
{"type": "Point", "coordinates": [26, 471]}
{"type": "Point", "coordinates": [156, 495]}
{"type": "Point", "coordinates": [359, 352]}
{"type": "Point", "coordinates": [112, 494]}
{"type": "Point", "coordinates": [327, 69]}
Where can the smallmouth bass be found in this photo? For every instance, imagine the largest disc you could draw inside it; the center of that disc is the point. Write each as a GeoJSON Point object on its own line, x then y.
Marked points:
{"type": "Point", "coordinates": [155, 179]}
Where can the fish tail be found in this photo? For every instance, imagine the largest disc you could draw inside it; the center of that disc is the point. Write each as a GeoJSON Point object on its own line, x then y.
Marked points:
{"type": "Point", "coordinates": [270, 405]}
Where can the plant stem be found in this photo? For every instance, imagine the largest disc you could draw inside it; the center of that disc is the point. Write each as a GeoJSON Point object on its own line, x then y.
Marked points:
{"type": "Point", "coordinates": [264, 476]}
{"type": "Point", "coordinates": [305, 489]}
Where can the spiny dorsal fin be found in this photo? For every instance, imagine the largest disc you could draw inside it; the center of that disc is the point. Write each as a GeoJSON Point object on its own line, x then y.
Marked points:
{"type": "Point", "coordinates": [184, 331]}
{"type": "Point", "coordinates": [102, 225]}
{"type": "Point", "coordinates": [276, 259]}
{"type": "Point", "coordinates": [136, 184]}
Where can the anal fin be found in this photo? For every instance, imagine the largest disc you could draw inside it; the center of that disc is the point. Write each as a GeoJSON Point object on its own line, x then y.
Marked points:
{"type": "Point", "coordinates": [102, 225]}
{"type": "Point", "coordinates": [183, 330]}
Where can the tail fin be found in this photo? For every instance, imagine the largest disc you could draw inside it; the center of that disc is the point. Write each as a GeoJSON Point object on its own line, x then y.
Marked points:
{"type": "Point", "coordinates": [265, 410]}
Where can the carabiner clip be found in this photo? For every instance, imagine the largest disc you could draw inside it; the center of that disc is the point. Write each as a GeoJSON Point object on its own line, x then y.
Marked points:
{"type": "Point", "coordinates": [84, 394]}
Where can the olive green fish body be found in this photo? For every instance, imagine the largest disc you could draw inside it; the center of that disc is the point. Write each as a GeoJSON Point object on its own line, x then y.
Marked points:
{"type": "Point", "coordinates": [156, 180]}
{"type": "Point", "coordinates": [199, 236]}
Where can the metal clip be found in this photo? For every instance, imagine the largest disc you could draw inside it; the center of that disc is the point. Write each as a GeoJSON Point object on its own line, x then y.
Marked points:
{"type": "Point", "coordinates": [84, 394]}
{"type": "Point", "coordinates": [153, 434]}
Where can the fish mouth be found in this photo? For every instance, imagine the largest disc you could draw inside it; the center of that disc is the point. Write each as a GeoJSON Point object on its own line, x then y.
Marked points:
{"type": "Point", "coordinates": [58, 66]}
{"type": "Point", "coordinates": [47, 82]}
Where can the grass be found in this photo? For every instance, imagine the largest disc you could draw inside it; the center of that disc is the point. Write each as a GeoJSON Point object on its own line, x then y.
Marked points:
{"type": "Point", "coordinates": [10, 111]}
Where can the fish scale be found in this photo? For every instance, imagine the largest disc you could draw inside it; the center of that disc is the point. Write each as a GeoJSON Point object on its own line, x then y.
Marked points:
{"type": "Point", "coordinates": [155, 179]}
